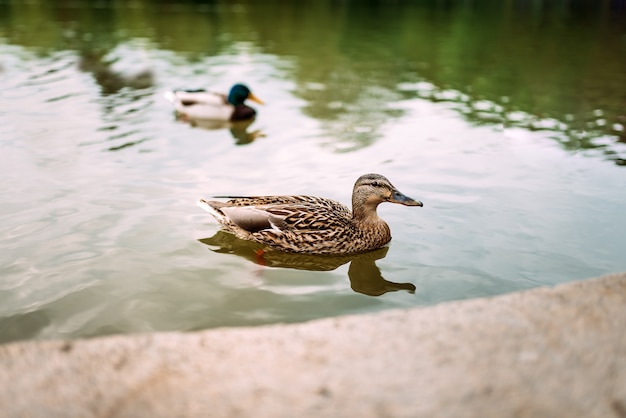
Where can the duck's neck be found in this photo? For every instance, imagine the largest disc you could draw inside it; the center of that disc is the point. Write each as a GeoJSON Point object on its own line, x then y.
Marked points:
{"type": "Point", "coordinates": [364, 212]}
{"type": "Point", "coordinates": [373, 230]}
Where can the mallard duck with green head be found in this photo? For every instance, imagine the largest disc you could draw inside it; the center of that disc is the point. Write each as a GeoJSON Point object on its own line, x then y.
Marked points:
{"type": "Point", "coordinates": [202, 104]}
{"type": "Point", "coordinates": [310, 224]}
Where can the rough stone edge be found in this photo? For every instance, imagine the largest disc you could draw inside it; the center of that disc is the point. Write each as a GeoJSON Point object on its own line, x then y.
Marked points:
{"type": "Point", "coordinates": [557, 351]}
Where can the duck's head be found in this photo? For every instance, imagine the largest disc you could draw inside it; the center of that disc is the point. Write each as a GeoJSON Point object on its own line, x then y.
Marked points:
{"type": "Point", "coordinates": [372, 189]}
{"type": "Point", "coordinates": [239, 93]}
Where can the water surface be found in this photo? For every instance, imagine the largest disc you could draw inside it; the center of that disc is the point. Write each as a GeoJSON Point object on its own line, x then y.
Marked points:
{"type": "Point", "coordinates": [506, 121]}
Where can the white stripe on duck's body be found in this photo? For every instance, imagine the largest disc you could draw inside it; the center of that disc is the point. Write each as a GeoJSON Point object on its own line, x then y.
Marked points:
{"type": "Point", "coordinates": [208, 105]}
{"type": "Point", "coordinates": [310, 224]}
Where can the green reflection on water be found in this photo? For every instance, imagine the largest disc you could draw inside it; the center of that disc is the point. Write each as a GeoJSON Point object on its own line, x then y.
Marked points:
{"type": "Point", "coordinates": [561, 61]}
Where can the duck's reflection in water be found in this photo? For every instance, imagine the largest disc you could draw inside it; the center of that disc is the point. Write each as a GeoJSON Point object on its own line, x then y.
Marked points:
{"type": "Point", "coordinates": [239, 129]}
{"type": "Point", "coordinates": [365, 276]}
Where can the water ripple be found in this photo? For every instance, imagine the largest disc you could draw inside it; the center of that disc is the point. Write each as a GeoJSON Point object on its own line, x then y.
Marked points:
{"type": "Point", "coordinates": [25, 229]}
{"type": "Point", "coordinates": [486, 112]}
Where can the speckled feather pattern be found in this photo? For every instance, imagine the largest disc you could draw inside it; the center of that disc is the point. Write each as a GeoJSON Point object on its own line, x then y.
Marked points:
{"type": "Point", "coordinates": [310, 224]}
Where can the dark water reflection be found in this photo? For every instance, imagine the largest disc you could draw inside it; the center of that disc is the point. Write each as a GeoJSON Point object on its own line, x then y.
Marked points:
{"type": "Point", "coordinates": [365, 276]}
{"type": "Point", "coordinates": [110, 80]}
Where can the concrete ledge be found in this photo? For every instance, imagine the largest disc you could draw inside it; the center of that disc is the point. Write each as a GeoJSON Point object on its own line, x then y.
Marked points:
{"type": "Point", "coordinates": [548, 352]}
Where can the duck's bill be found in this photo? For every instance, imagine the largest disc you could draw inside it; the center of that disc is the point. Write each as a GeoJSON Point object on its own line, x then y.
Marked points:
{"type": "Point", "coordinates": [398, 197]}
{"type": "Point", "coordinates": [255, 99]}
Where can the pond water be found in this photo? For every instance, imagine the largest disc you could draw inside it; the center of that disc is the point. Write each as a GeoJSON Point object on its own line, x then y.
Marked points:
{"type": "Point", "coordinates": [507, 121]}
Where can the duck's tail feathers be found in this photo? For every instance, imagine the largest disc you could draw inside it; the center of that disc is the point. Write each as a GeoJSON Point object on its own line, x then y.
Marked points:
{"type": "Point", "coordinates": [215, 213]}
{"type": "Point", "coordinates": [171, 96]}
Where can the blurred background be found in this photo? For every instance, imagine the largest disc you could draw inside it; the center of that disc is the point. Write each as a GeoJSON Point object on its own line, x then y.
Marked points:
{"type": "Point", "coordinates": [506, 118]}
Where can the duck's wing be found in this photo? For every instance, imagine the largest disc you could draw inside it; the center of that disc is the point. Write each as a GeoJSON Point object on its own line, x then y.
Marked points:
{"type": "Point", "coordinates": [280, 214]}
{"type": "Point", "coordinates": [196, 97]}
{"type": "Point", "coordinates": [251, 214]}
{"type": "Point", "coordinates": [201, 105]}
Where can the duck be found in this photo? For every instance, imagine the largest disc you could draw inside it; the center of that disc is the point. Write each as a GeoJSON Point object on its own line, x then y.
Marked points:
{"type": "Point", "coordinates": [201, 104]}
{"type": "Point", "coordinates": [309, 224]}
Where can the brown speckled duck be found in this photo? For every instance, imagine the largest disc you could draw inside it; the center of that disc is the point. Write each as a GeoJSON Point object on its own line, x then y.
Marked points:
{"type": "Point", "coordinates": [207, 105]}
{"type": "Point", "coordinates": [309, 224]}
